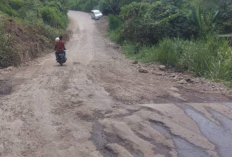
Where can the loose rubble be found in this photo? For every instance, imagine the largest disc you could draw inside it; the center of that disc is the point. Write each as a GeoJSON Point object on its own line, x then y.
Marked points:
{"type": "Point", "coordinates": [143, 70]}
{"type": "Point", "coordinates": [162, 67]}
{"type": "Point", "coordinates": [135, 62]}
{"type": "Point", "coordinates": [9, 69]}
{"type": "Point", "coordinates": [182, 79]}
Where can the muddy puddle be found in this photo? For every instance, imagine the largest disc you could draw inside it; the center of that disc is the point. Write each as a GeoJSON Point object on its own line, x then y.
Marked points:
{"type": "Point", "coordinates": [183, 147]}
{"type": "Point", "coordinates": [220, 135]}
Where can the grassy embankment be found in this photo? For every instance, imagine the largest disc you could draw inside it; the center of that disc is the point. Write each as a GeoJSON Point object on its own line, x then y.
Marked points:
{"type": "Point", "coordinates": [28, 29]}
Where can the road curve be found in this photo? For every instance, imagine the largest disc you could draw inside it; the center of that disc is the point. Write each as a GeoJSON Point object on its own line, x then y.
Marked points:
{"type": "Point", "coordinates": [98, 105]}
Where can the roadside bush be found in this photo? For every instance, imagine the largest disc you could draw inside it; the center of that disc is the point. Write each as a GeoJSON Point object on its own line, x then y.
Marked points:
{"type": "Point", "coordinates": [210, 57]}
{"type": "Point", "coordinates": [88, 6]}
{"type": "Point", "coordinates": [137, 51]}
{"type": "Point", "coordinates": [30, 10]}
{"type": "Point", "coordinates": [115, 27]}
{"type": "Point", "coordinates": [16, 4]}
{"type": "Point", "coordinates": [114, 22]}
{"type": "Point", "coordinates": [225, 18]}
{"type": "Point", "coordinates": [83, 5]}
{"type": "Point", "coordinates": [169, 51]}
{"type": "Point", "coordinates": [114, 35]}
{"type": "Point", "coordinates": [104, 7]}
{"type": "Point", "coordinates": [53, 17]}
{"type": "Point", "coordinates": [51, 33]}
{"type": "Point", "coordinates": [148, 24]}
{"type": "Point", "coordinates": [113, 6]}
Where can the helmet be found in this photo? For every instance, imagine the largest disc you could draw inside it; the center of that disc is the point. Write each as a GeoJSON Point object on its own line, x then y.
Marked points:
{"type": "Point", "coordinates": [57, 39]}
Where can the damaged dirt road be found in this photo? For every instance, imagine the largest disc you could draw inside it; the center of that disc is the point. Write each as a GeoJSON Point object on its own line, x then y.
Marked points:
{"type": "Point", "coordinates": [99, 105]}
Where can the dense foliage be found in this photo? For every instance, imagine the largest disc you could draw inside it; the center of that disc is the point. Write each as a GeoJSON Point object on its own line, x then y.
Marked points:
{"type": "Point", "coordinates": [106, 6]}
{"type": "Point", "coordinates": [52, 12]}
{"type": "Point", "coordinates": [145, 23]}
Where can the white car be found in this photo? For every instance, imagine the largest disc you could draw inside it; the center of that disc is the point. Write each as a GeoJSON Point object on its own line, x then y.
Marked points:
{"type": "Point", "coordinates": [96, 14]}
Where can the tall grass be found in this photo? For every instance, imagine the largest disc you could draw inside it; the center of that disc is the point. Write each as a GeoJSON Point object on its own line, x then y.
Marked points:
{"type": "Point", "coordinates": [115, 25]}
{"type": "Point", "coordinates": [210, 57]}
{"type": "Point", "coordinates": [114, 22]}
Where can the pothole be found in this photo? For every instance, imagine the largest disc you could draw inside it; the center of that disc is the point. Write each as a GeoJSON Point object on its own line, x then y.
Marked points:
{"type": "Point", "coordinates": [159, 149]}
{"type": "Point", "coordinates": [101, 139]}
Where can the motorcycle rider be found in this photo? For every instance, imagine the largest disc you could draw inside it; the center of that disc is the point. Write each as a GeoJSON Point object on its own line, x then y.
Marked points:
{"type": "Point", "coordinates": [60, 47]}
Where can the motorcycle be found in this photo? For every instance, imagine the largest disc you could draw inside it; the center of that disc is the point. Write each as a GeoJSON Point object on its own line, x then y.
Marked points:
{"type": "Point", "coordinates": [61, 58]}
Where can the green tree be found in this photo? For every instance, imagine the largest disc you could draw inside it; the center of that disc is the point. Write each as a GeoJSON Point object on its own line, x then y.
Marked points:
{"type": "Point", "coordinates": [205, 20]}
